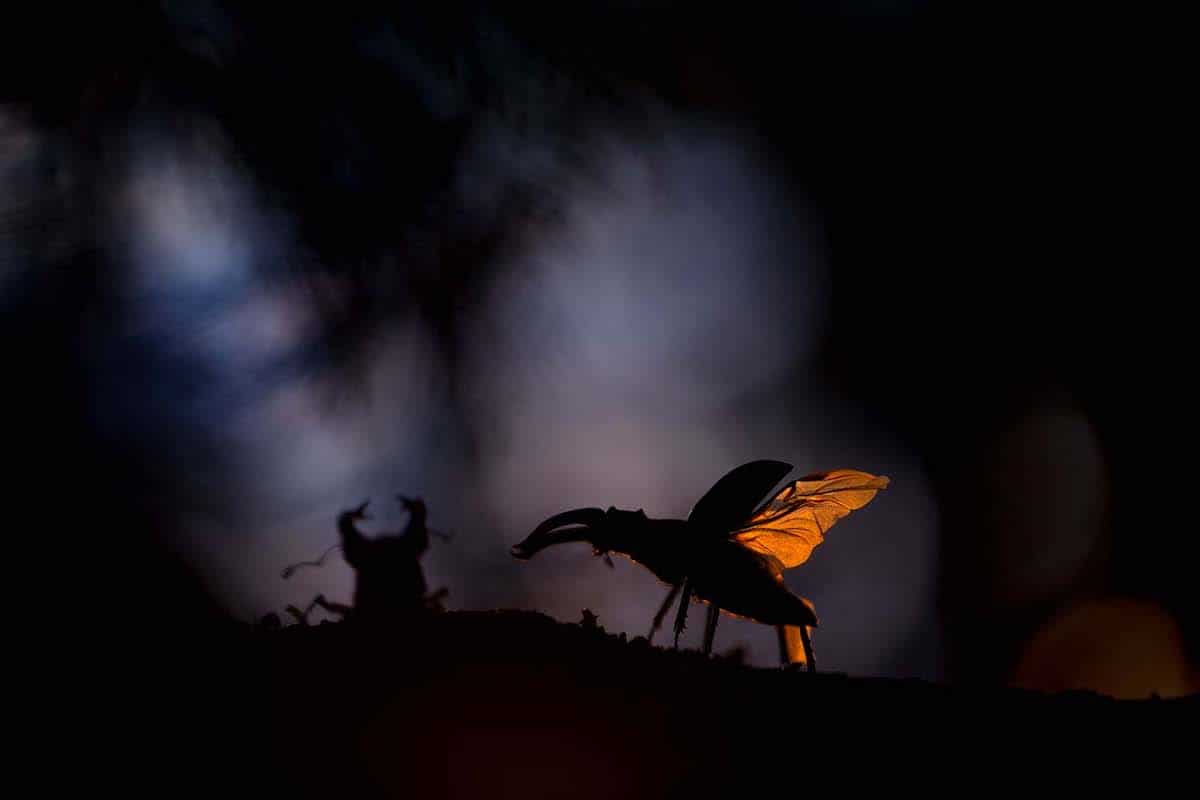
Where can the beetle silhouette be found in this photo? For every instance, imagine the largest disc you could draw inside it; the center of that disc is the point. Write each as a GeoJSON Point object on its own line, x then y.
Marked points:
{"type": "Point", "coordinates": [388, 575]}
{"type": "Point", "coordinates": [389, 581]}
{"type": "Point", "coordinates": [728, 553]}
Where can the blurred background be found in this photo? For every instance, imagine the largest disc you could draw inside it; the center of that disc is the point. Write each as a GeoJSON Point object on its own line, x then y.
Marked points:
{"type": "Point", "coordinates": [257, 266]}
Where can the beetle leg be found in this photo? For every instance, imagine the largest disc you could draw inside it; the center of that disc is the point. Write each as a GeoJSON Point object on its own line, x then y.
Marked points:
{"type": "Point", "coordinates": [681, 615]}
{"type": "Point", "coordinates": [333, 608]}
{"type": "Point", "coordinates": [662, 612]}
{"type": "Point", "coordinates": [710, 628]}
{"type": "Point", "coordinates": [789, 653]}
{"type": "Point", "coordinates": [808, 649]}
{"type": "Point", "coordinates": [785, 654]}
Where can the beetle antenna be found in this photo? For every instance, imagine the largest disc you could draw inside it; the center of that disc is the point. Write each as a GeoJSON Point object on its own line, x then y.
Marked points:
{"type": "Point", "coordinates": [290, 569]}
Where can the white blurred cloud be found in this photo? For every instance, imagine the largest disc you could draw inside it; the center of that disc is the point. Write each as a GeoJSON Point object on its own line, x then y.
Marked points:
{"type": "Point", "coordinates": [190, 220]}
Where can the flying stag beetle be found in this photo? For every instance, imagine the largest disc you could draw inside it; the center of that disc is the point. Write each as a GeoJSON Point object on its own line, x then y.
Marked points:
{"type": "Point", "coordinates": [731, 551]}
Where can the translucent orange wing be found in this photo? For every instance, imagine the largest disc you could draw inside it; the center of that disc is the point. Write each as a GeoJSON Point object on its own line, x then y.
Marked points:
{"type": "Point", "coordinates": [794, 521]}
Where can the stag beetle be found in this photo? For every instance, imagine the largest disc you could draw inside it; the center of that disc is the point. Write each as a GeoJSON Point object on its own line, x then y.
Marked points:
{"type": "Point", "coordinates": [728, 553]}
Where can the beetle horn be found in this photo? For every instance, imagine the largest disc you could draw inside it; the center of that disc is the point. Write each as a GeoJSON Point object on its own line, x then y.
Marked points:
{"type": "Point", "coordinates": [556, 531]}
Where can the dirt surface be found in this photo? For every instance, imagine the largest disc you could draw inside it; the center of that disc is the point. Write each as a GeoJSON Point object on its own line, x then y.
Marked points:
{"type": "Point", "coordinates": [515, 704]}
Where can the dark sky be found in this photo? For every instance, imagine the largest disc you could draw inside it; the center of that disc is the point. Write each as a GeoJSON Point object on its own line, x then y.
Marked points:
{"type": "Point", "coordinates": [267, 265]}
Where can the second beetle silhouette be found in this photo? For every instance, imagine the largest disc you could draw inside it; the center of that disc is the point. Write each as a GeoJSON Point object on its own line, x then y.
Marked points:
{"type": "Point", "coordinates": [389, 582]}
{"type": "Point", "coordinates": [727, 553]}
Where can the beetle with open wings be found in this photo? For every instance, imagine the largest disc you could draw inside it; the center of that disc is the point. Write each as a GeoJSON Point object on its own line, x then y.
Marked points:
{"type": "Point", "coordinates": [731, 551]}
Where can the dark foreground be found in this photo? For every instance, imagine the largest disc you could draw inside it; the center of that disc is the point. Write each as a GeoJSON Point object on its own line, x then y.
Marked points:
{"type": "Point", "coordinates": [513, 704]}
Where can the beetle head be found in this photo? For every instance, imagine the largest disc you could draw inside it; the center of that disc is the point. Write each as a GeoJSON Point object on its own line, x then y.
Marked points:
{"type": "Point", "coordinates": [603, 530]}
{"type": "Point", "coordinates": [413, 505]}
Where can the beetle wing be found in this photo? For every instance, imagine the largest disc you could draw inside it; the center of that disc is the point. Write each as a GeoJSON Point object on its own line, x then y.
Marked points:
{"type": "Point", "coordinates": [733, 498]}
{"type": "Point", "coordinates": [795, 520]}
